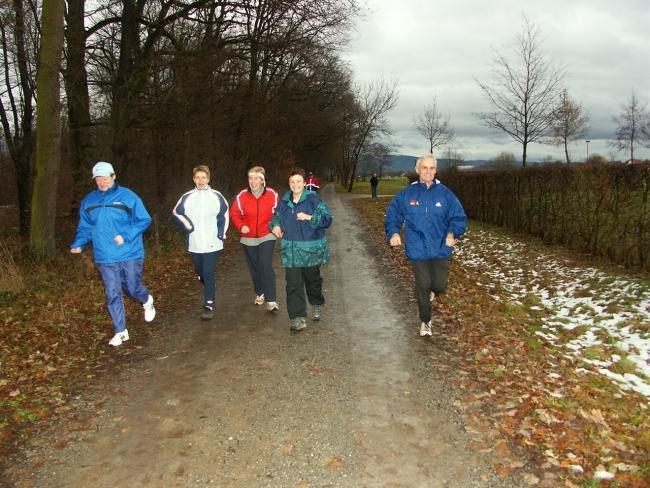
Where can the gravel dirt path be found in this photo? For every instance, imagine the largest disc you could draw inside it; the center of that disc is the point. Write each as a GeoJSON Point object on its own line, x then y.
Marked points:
{"type": "Point", "coordinates": [354, 400]}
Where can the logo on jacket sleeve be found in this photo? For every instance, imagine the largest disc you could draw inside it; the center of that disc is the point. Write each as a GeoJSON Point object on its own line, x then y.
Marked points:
{"type": "Point", "coordinates": [413, 202]}
{"type": "Point", "coordinates": [438, 204]}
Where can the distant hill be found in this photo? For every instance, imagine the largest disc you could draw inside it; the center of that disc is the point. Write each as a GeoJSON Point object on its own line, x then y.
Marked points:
{"type": "Point", "coordinates": [402, 163]}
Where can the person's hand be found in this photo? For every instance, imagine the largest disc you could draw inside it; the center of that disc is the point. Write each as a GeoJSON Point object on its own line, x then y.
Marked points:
{"type": "Point", "coordinates": [450, 240]}
{"type": "Point", "coordinates": [277, 232]}
{"type": "Point", "coordinates": [245, 229]}
{"type": "Point", "coordinates": [395, 240]}
{"type": "Point", "coordinates": [119, 240]}
{"type": "Point", "coordinates": [75, 250]}
{"type": "Point", "coordinates": [303, 216]}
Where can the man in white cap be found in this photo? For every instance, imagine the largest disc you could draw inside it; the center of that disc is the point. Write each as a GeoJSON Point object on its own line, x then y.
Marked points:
{"type": "Point", "coordinates": [113, 219]}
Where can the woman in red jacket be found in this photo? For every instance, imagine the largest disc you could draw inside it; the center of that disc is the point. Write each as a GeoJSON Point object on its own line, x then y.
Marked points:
{"type": "Point", "coordinates": [251, 212]}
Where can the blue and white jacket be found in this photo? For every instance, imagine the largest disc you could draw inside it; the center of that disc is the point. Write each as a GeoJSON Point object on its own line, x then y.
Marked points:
{"type": "Point", "coordinates": [106, 214]}
{"type": "Point", "coordinates": [428, 215]}
{"type": "Point", "coordinates": [203, 216]}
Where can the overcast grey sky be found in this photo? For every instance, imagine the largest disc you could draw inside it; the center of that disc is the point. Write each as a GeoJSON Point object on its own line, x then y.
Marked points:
{"type": "Point", "coordinates": [439, 47]}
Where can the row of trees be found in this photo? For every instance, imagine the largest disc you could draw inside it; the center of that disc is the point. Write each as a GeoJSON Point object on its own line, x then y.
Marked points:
{"type": "Point", "coordinates": [157, 87]}
{"type": "Point", "coordinates": [531, 105]}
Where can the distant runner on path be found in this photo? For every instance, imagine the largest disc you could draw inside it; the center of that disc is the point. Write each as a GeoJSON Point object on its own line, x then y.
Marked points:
{"type": "Point", "coordinates": [374, 182]}
{"type": "Point", "coordinates": [434, 218]}
{"type": "Point", "coordinates": [312, 183]}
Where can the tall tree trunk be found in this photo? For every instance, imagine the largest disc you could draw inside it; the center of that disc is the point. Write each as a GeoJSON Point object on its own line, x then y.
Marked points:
{"type": "Point", "coordinates": [48, 131]}
{"type": "Point", "coordinates": [23, 160]}
{"type": "Point", "coordinates": [76, 86]}
{"type": "Point", "coordinates": [123, 86]}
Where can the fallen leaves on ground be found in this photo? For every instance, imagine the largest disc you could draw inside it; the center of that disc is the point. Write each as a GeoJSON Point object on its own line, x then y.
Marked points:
{"type": "Point", "coordinates": [514, 384]}
{"type": "Point", "coordinates": [55, 332]}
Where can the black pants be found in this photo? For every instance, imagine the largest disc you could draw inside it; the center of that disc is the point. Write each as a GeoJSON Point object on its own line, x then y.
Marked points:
{"type": "Point", "coordinates": [299, 280]}
{"type": "Point", "coordinates": [373, 190]}
{"type": "Point", "coordinates": [260, 264]}
{"type": "Point", "coordinates": [431, 275]}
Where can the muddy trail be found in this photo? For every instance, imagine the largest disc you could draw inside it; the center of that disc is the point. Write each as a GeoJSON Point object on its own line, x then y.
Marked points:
{"type": "Point", "coordinates": [354, 400]}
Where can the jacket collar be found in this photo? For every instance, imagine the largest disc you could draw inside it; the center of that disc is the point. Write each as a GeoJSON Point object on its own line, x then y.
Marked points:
{"type": "Point", "coordinates": [303, 197]}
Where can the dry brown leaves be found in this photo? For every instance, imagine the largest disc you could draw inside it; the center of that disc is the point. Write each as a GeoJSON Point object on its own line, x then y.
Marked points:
{"type": "Point", "coordinates": [575, 428]}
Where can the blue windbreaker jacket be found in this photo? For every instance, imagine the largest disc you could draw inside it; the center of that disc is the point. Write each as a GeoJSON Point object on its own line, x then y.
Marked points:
{"type": "Point", "coordinates": [103, 215]}
{"type": "Point", "coordinates": [428, 214]}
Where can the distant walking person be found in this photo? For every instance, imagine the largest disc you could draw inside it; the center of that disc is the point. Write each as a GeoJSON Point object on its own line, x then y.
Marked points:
{"type": "Point", "coordinates": [374, 182]}
{"type": "Point", "coordinates": [300, 221]}
{"type": "Point", "coordinates": [202, 213]}
{"type": "Point", "coordinates": [113, 218]}
{"type": "Point", "coordinates": [250, 213]}
{"type": "Point", "coordinates": [312, 183]}
{"type": "Point", "coordinates": [433, 218]}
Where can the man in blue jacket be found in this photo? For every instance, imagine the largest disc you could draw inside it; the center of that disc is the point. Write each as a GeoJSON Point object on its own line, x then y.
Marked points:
{"type": "Point", "coordinates": [433, 219]}
{"type": "Point", "coordinates": [113, 219]}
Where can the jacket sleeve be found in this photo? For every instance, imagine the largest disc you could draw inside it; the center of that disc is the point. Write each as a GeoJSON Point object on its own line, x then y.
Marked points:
{"type": "Point", "coordinates": [237, 213]}
{"type": "Point", "coordinates": [457, 219]}
{"type": "Point", "coordinates": [140, 221]}
{"type": "Point", "coordinates": [178, 215]}
{"type": "Point", "coordinates": [394, 216]}
{"type": "Point", "coordinates": [84, 229]}
{"type": "Point", "coordinates": [322, 217]}
{"type": "Point", "coordinates": [276, 221]}
{"type": "Point", "coordinates": [223, 217]}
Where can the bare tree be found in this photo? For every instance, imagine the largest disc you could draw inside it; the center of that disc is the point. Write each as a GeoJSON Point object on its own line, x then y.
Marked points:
{"type": "Point", "coordinates": [522, 92]}
{"type": "Point", "coordinates": [632, 126]}
{"type": "Point", "coordinates": [505, 160]}
{"type": "Point", "coordinates": [434, 126]}
{"type": "Point", "coordinates": [570, 121]}
{"type": "Point", "coordinates": [365, 119]}
{"type": "Point", "coordinates": [48, 131]}
{"type": "Point", "coordinates": [19, 42]}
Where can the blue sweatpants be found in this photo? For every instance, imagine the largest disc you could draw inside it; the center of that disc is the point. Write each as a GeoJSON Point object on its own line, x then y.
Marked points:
{"type": "Point", "coordinates": [205, 265]}
{"type": "Point", "coordinates": [116, 276]}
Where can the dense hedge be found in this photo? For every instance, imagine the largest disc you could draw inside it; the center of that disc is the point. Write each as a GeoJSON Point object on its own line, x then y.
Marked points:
{"type": "Point", "coordinates": [602, 209]}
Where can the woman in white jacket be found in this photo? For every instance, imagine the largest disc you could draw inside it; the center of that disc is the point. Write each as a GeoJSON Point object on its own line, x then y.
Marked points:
{"type": "Point", "coordinates": [202, 213]}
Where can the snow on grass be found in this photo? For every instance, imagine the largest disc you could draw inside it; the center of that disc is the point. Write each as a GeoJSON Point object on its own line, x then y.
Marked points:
{"type": "Point", "coordinates": [600, 318]}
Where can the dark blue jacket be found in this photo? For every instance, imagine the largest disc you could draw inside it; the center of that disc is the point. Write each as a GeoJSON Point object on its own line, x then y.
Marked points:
{"type": "Point", "coordinates": [105, 214]}
{"type": "Point", "coordinates": [428, 215]}
{"type": "Point", "coordinates": [303, 242]}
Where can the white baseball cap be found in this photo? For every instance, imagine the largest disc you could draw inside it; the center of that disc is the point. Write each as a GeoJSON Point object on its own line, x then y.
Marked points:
{"type": "Point", "coordinates": [103, 168]}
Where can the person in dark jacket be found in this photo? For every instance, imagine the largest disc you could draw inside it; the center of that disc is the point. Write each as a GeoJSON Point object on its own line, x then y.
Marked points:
{"type": "Point", "coordinates": [113, 218]}
{"type": "Point", "coordinates": [202, 213]}
{"type": "Point", "coordinates": [300, 221]}
{"type": "Point", "coordinates": [433, 219]}
{"type": "Point", "coordinates": [374, 182]}
{"type": "Point", "coordinates": [250, 213]}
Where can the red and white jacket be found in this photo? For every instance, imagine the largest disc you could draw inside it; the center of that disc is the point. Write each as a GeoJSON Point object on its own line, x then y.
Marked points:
{"type": "Point", "coordinates": [256, 213]}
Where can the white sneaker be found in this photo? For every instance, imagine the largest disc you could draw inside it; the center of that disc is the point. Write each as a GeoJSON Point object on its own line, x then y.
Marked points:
{"type": "Point", "coordinates": [425, 329]}
{"type": "Point", "coordinates": [272, 306]}
{"type": "Point", "coordinates": [119, 338]}
{"type": "Point", "coordinates": [259, 299]}
{"type": "Point", "coordinates": [149, 310]}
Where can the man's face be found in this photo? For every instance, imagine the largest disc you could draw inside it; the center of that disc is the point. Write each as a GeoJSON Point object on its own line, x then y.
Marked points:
{"type": "Point", "coordinates": [104, 182]}
{"type": "Point", "coordinates": [426, 170]}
